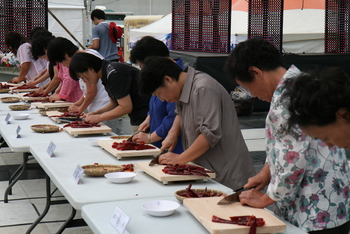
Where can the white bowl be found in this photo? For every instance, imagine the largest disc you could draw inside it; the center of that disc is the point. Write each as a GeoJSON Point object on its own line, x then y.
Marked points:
{"type": "Point", "coordinates": [120, 177]}
{"type": "Point", "coordinates": [20, 115]}
{"type": "Point", "coordinates": [93, 141]}
{"type": "Point", "coordinates": [160, 207]}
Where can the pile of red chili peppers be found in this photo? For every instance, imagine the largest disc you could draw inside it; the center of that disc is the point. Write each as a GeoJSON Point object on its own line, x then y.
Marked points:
{"type": "Point", "coordinates": [193, 194]}
{"type": "Point", "coordinates": [186, 170]}
{"type": "Point", "coordinates": [127, 145]}
{"type": "Point", "coordinates": [33, 94]}
{"type": "Point", "coordinates": [4, 86]}
{"type": "Point", "coordinates": [251, 221]}
{"type": "Point", "coordinates": [27, 87]}
{"type": "Point", "coordinates": [81, 124]}
{"type": "Point", "coordinates": [128, 167]}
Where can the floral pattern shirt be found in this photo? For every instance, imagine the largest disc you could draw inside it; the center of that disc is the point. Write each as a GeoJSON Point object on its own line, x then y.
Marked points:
{"type": "Point", "coordinates": [309, 181]}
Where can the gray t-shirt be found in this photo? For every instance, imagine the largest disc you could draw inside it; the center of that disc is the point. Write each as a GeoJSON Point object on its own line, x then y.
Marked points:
{"type": "Point", "coordinates": [205, 107]}
{"type": "Point", "coordinates": [107, 48]}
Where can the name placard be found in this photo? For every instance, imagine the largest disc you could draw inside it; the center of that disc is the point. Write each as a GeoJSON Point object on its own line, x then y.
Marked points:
{"type": "Point", "coordinates": [50, 149]}
{"type": "Point", "coordinates": [78, 173]}
{"type": "Point", "coordinates": [119, 220]}
{"type": "Point", "coordinates": [7, 118]}
{"type": "Point", "coordinates": [17, 131]}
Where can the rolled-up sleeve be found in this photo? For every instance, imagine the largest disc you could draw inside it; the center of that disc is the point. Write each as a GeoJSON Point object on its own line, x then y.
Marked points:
{"type": "Point", "coordinates": [207, 105]}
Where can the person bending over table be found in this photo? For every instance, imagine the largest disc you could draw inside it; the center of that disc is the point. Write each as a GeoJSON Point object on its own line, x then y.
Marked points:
{"type": "Point", "coordinates": [60, 50]}
{"type": "Point", "coordinates": [206, 119]}
{"type": "Point", "coordinates": [308, 181]}
{"type": "Point", "coordinates": [161, 114]}
{"type": "Point", "coordinates": [120, 82]}
{"type": "Point", "coordinates": [21, 47]}
{"type": "Point", "coordinates": [321, 106]}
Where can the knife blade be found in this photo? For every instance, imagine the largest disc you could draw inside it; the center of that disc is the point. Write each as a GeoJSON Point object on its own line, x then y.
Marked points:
{"type": "Point", "coordinates": [156, 158]}
{"type": "Point", "coordinates": [232, 198]}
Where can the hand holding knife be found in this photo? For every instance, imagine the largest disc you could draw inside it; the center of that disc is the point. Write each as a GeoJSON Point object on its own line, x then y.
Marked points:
{"type": "Point", "coordinates": [233, 197]}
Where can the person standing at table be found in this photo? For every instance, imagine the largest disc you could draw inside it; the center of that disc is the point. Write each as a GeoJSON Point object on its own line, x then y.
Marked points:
{"type": "Point", "coordinates": [21, 47]}
{"type": "Point", "coordinates": [161, 114]}
{"type": "Point", "coordinates": [68, 89]}
{"type": "Point", "coordinates": [206, 119]}
{"type": "Point", "coordinates": [121, 83]}
{"type": "Point", "coordinates": [61, 50]}
{"type": "Point", "coordinates": [101, 40]}
{"type": "Point", "coordinates": [307, 180]}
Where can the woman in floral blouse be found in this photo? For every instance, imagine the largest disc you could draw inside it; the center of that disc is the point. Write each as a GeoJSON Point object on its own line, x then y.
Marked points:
{"type": "Point", "coordinates": [308, 181]}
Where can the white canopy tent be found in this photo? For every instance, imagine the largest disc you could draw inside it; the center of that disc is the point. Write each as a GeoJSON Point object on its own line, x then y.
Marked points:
{"type": "Point", "coordinates": [71, 14]}
{"type": "Point", "coordinates": [303, 29]}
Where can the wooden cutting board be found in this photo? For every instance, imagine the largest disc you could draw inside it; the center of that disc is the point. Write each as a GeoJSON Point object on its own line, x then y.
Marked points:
{"type": "Point", "coordinates": [31, 99]}
{"type": "Point", "coordinates": [23, 90]}
{"type": "Point", "coordinates": [157, 173]}
{"type": "Point", "coordinates": [204, 208]}
{"type": "Point", "coordinates": [103, 129]}
{"type": "Point", "coordinates": [107, 145]}
{"type": "Point", "coordinates": [13, 84]}
{"type": "Point", "coordinates": [44, 105]}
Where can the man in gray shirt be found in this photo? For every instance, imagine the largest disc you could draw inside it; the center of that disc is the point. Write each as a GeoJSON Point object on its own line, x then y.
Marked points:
{"type": "Point", "coordinates": [206, 120]}
{"type": "Point", "coordinates": [101, 40]}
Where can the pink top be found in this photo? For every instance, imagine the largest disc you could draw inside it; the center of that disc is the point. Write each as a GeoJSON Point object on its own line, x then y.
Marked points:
{"type": "Point", "coordinates": [36, 66]}
{"type": "Point", "coordinates": [70, 89]}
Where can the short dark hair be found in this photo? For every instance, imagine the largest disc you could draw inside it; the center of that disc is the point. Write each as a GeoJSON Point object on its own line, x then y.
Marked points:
{"type": "Point", "coordinates": [153, 72]}
{"type": "Point", "coordinates": [81, 62]}
{"type": "Point", "coordinates": [148, 46]}
{"type": "Point", "coordinates": [40, 42]}
{"type": "Point", "coordinates": [99, 14]}
{"type": "Point", "coordinates": [14, 40]}
{"type": "Point", "coordinates": [253, 52]}
{"type": "Point", "coordinates": [59, 47]}
{"type": "Point", "coordinates": [35, 30]}
{"type": "Point", "coordinates": [316, 96]}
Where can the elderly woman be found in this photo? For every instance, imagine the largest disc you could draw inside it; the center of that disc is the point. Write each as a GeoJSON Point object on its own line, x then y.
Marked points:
{"type": "Point", "coordinates": [206, 119]}
{"type": "Point", "coordinates": [21, 47]}
{"type": "Point", "coordinates": [321, 106]}
{"type": "Point", "coordinates": [307, 180]}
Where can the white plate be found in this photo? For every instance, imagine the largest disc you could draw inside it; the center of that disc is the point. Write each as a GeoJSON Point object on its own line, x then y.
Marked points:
{"type": "Point", "coordinates": [20, 115]}
{"type": "Point", "coordinates": [120, 177]}
{"type": "Point", "coordinates": [160, 207]}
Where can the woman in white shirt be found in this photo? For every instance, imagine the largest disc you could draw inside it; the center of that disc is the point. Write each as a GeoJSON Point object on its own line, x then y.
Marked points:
{"type": "Point", "coordinates": [21, 47]}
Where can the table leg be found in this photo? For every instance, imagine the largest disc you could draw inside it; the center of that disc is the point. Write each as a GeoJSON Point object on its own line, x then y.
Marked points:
{"type": "Point", "coordinates": [70, 218]}
{"type": "Point", "coordinates": [17, 175]}
{"type": "Point", "coordinates": [48, 204]}
{"type": "Point", "coordinates": [47, 207]}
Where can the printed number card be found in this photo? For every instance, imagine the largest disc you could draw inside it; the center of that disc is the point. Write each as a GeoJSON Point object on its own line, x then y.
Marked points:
{"type": "Point", "coordinates": [119, 220]}
{"type": "Point", "coordinates": [78, 173]}
{"type": "Point", "coordinates": [17, 132]}
{"type": "Point", "coordinates": [50, 149]}
{"type": "Point", "coordinates": [7, 118]}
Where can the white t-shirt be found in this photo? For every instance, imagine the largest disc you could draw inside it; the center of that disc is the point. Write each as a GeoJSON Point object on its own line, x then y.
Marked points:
{"type": "Point", "coordinates": [101, 99]}
{"type": "Point", "coordinates": [24, 55]}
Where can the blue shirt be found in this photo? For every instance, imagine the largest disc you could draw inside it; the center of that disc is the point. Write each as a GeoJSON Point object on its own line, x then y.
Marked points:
{"type": "Point", "coordinates": [107, 48]}
{"type": "Point", "coordinates": [162, 115]}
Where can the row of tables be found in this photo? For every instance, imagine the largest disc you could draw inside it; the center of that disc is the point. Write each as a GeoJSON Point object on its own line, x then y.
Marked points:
{"type": "Point", "coordinates": [96, 197]}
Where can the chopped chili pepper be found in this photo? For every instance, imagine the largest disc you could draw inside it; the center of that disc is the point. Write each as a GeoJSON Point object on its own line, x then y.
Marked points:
{"type": "Point", "coordinates": [81, 124]}
{"type": "Point", "coordinates": [186, 170]}
{"type": "Point", "coordinates": [126, 145]}
{"type": "Point", "coordinates": [251, 221]}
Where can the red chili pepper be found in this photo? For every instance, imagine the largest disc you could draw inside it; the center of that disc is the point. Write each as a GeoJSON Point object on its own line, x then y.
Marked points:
{"type": "Point", "coordinates": [220, 220]}
{"type": "Point", "coordinates": [252, 224]}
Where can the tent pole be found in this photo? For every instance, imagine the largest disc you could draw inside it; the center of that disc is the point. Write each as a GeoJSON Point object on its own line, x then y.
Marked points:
{"type": "Point", "coordinates": [58, 21]}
